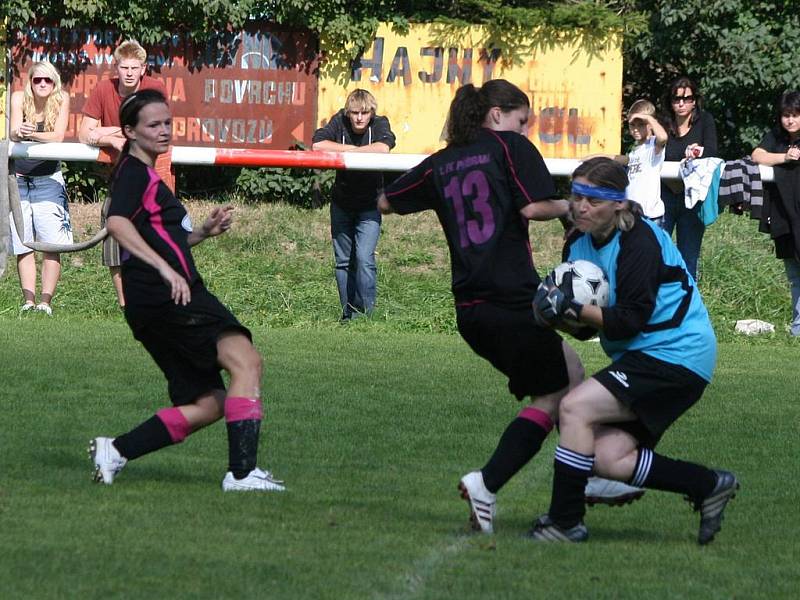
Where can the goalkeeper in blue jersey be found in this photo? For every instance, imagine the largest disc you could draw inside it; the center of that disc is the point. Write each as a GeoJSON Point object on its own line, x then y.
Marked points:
{"type": "Point", "coordinates": [658, 335]}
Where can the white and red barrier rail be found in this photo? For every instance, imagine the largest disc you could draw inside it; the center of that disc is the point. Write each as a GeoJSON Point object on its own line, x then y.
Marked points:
{"type": "Point", "coordinates": [363, 161]}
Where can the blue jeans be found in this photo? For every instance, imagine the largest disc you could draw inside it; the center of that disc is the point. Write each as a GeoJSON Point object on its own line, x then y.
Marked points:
{"type": "Point", "coordinates": [355, 236]}
{"type": "Point", "coordinates": [689, 228]}
{"type": "Point", "coordinates": [792, 266]}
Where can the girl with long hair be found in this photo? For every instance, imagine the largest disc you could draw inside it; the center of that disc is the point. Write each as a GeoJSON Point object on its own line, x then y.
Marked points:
{"type": "Point", "coordinates": [39, 113]}
{"type": "Point", "coordinates": [691, 134]}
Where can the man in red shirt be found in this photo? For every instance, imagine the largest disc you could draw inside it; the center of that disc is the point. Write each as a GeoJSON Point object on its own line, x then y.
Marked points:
{"type": "Point", "coordinates": [100, 127]}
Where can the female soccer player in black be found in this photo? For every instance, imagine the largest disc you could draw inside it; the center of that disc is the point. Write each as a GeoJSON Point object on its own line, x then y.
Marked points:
{"type": "Point", "coordinates": [186, 330]}
{"type": "Point", "coordinates": [657, 332]}
{"type": "Point", "coordinates": [485, 186]}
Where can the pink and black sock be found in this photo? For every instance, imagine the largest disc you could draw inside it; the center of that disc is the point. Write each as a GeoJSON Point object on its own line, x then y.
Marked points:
{"type": "Point", "coordinates": [519, 443]}
{"type": "Point", "coordinates": [167, 427]}
{"type": "Point", "coordinates": [661, 473]}
{"type": "Point", "coordinates": [571, 471]}
{"type": "Point", "coordinates": [243, 419]}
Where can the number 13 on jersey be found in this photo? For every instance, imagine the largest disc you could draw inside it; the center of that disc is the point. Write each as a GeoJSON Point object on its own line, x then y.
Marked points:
{"type": "Point", "coordinates": [471, 196]}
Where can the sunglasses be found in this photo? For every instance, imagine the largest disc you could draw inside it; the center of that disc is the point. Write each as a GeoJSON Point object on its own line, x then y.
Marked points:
{"type": "Point", "coordinates": [38, 80]}
{"type": "Point", "coordinates": [684, 99]}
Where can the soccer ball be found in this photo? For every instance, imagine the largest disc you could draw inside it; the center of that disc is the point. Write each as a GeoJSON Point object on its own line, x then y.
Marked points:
{"type": "Point", "coordinates": [587, 280]}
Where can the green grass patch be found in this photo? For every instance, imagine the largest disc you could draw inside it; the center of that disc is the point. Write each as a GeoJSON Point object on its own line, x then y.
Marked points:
{"type": "Point", "coordinates": [275, 268]}
{"type": "Point", "coordinates": [371, 429]}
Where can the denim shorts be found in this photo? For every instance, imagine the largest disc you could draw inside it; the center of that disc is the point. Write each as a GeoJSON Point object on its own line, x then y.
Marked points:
{"type": "Point", "coordinates": [45, 212]}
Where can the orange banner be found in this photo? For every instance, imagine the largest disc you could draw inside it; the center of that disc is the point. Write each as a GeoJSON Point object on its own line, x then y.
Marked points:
{"type": "Point", "coordinates": [247, 88]}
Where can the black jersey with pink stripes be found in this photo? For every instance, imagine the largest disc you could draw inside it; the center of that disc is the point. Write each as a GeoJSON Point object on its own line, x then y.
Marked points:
{"type": "Point", "coordinates": [138, 194]}
{"type": "Point", "coordinates": [477, 191]}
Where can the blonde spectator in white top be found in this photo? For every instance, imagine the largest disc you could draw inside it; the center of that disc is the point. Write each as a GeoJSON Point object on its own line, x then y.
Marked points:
{"type": "Point", "coordinates": [39, 113]}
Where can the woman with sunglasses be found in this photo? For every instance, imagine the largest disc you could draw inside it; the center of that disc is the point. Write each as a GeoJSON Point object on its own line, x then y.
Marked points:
{"type": "Point", "coordinates": [39, 113]}
{"type": "Point", "coordinates": [692, 133]}
{"type": "Point", "coordinates": [658, 335]}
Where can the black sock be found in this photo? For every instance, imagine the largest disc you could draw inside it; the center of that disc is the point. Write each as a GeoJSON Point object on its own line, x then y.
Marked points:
{"type": "Point", "coordinates": [148, 437]}
{"type": "Point", "coordinates": [243, 446]}
{"type": "Point", "coordinates": [571, 470]}
{"type": "Point", "coordinates": [661, 473]}
{"type": "Point", "coordinates": [519, 443]}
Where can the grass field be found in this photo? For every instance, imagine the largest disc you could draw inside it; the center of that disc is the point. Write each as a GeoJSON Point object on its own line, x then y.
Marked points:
{"type": "Point", "coordinates": [371, 430]}
{"type": "Point", "coordinates": [275, 268]}
{"type": "Point", "coordinates": [371, 424]}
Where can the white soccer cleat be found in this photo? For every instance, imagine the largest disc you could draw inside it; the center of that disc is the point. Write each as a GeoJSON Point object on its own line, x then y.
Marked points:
{"type": "Point", "coordinates": [256, 481]}
{"type": "Point", "coordinates": [45, 308]}
{"type": "Point", "coordinates": [610, 492]}
{"type": "Point", "coordinates": [108, 462]}
{"type": "Point", "coordinates": [482, 502]}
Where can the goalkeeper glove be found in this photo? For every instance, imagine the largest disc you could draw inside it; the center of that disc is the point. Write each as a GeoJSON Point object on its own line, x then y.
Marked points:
{"type": "Point", "coordinates": [551, 304]}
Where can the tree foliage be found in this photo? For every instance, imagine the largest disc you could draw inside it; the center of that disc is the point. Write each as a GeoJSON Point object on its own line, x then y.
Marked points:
{"type": "Point", "coordinates": [742, 53]}
{"type": "Point", "coordinates": [147, 20]}
{"type": "Point", "coordinates": [342, 22]}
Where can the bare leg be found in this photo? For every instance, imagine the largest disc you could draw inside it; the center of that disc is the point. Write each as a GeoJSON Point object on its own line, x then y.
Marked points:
{"type": "Point", "coordinates": [204, 411]}
{"type": "Point", "coordinates": [26, 268]}
{"type": "Point", "coordinates": [615, 453]}
{"type": "Point", "coordinates": [237, 355]}
{"type": "Point", "coordinates": [51, 272]}
{"type": "Point", "coordinates": [588, 405]}
{"type": "Point", "coordinates": [116, 278]}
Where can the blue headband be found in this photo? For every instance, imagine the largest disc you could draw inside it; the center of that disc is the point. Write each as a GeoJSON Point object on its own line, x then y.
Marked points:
{"type": "Point", "coordinates": [596, 191]}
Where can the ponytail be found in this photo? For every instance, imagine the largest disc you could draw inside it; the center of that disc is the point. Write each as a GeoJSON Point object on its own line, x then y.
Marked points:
{"type": "Point", "coordinates": [470, 105]}
{"type": "Point", "coordinates": [467, 111]}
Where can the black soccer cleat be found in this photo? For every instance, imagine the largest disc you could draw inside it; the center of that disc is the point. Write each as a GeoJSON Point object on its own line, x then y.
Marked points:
{"type": "Point", "coordinates": [545, 530]}
{"type": "Point", "coordinates": [713, 506]}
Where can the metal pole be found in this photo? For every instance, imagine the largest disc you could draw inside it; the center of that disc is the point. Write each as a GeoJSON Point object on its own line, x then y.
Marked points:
{"type": "Point", "coordinates": [194, 155]}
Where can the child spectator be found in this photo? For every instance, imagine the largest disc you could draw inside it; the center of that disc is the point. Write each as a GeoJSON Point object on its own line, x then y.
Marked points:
{"type": "Point", "coordinates": [645, 160]}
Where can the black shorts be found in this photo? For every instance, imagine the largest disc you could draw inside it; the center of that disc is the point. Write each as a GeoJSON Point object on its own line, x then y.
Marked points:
{"type": "Point", "coordinates": [657, 392]}
{"type": "Point", "coordinates": [183, 342]}
{"type": "Point", "coordinates": [530, 356]}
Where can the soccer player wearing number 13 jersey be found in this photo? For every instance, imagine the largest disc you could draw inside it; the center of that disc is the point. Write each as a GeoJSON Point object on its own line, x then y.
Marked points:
{"type": "Point", "coordinates": [485, 186]}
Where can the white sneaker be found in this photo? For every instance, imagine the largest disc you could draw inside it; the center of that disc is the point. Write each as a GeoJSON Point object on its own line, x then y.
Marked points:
{"type": "Point", "coordinates": [108, 462]}
{"type": "Point", "coordinates": [482, 502]}
{"type": "Point", "coordinates": [28, 306]}
{"type": "Point", "coordinates": [256, 481]}
{"type": "Point", "coordinates": [610, 492]}
{"type": "Point", "coordinates": [45, 308]}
